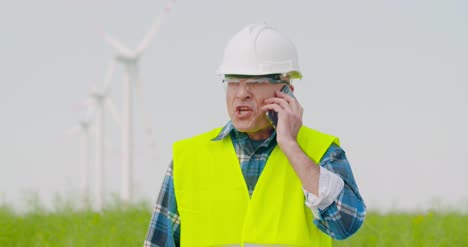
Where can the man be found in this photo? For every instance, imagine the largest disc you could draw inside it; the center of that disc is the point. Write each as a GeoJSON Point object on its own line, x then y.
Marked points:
{"type": "Point", "coordinates": [252, 184]}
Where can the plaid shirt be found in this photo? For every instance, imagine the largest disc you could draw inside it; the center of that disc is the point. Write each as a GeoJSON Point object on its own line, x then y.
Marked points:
{"type": "Point", "coordinates": [339, 220]}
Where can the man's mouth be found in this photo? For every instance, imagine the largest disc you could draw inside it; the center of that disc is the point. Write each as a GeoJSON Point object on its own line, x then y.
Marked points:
{"type": "Point", "coordinates": [243, 111]}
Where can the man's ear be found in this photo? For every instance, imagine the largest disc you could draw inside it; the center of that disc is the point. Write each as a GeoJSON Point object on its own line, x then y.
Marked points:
{"type": "Point", "coordinates": [291, 87]}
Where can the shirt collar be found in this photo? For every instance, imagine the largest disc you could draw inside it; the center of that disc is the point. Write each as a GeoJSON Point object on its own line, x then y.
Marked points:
{"type": "Point", "coordinates": [229, 127]}
{"type": "Point", "coordinates": [225, 131]}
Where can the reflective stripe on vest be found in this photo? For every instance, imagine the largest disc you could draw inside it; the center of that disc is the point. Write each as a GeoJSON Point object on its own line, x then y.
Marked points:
{"type": "Point", "coordinates": [214, 204]}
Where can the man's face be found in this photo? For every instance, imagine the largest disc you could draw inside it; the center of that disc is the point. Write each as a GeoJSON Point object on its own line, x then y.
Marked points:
{"type": "Point", "coordinates": [244, 100]}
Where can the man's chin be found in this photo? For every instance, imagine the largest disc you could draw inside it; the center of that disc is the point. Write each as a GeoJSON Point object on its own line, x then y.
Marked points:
{"type": "Point", "coordinates": [241, 128]}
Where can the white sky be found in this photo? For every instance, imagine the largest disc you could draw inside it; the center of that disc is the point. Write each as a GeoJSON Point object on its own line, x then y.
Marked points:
{"type": "Point", "coordinates": [388, 77]}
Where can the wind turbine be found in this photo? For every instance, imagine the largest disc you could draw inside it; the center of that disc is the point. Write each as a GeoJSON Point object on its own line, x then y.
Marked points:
{"type": "Point", "coordinates": [101, 102]}
{"type": "Point", "coordinates": [84, 130]}
{"type": "Point", "coordinates": [130, 58]}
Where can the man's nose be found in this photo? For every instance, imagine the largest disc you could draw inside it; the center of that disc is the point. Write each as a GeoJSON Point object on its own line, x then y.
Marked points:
{"type": "Point", "coordinates": [243, 91]}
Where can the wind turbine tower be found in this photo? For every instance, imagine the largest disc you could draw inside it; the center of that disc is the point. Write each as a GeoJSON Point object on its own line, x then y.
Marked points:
{"type": "Point", "coordinates": [84, 128]}
{"type": "Point", "coordinates": [101, 102]}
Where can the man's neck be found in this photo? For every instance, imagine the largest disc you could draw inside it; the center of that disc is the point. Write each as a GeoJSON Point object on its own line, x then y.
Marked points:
{"type": "Point", "coordinates": [261, 134]}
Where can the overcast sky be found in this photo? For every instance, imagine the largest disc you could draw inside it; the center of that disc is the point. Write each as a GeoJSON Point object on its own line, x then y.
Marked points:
{"type": "Point", "coordinates": [388, 77]}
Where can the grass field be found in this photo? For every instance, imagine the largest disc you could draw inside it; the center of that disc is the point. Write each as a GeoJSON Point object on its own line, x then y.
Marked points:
{"type": "Point", "coordinates": [119, 226]}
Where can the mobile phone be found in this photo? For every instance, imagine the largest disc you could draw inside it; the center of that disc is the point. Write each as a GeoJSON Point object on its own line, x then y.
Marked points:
{"type": "Point", "coordinates": [271, 115]}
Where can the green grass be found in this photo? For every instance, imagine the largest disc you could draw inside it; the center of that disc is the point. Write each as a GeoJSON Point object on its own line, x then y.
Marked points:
{"type": "Point", "coordinates": [114, 226]}
{"type": "Point", "coordinates": [433, 228]}
{"type": "Point", "coordinates": [127, 226]}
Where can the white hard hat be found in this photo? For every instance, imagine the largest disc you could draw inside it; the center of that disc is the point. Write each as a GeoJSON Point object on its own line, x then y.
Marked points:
{"type": "Point", "coordinates": [259, 49]}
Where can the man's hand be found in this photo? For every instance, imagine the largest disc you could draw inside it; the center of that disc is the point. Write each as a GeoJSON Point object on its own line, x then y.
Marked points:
{"type": "Point", "coordinates": [289, 117]}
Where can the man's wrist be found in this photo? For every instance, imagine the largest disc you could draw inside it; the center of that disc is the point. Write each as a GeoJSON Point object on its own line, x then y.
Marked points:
{"type": "Point", "coordinates": [289, 146]}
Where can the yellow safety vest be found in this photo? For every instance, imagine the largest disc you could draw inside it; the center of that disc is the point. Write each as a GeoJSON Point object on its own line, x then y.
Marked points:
{"type": "Point", "coordinates": [214, 205]}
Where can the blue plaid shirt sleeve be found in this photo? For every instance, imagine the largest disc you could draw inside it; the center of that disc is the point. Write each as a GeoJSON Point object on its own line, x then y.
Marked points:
{"type": "Point", "coordinates": [346, 214]}
{"type": "Point", "coordinates": [164, 228]}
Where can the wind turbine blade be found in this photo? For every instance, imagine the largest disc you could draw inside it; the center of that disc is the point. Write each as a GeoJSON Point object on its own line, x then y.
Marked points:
{"type": "Point", "coordinates": [135, 77]}
{"type": "Point", "coordinates": [119, 47]}
{"type": "Point", "coordinates": [108, 77]}
{"type": "Point", "coordinates": [155, 28]}
{"type": "Point", "coordinates": [147, 117]}
{"type": "Point", "coordinates": [91, 109]}
{"type": "Point", "coordinates": [74, 130]}
{"type": "Point", "coordinates": [92, 129]}
{"type": "Point", "coordinates": [113, 110]}
{"type": "Point", "coordinates": [107, 142]}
